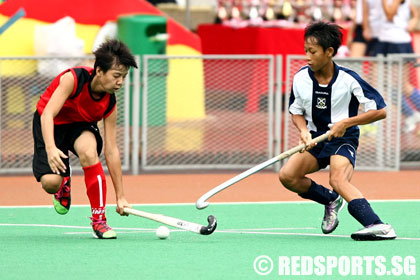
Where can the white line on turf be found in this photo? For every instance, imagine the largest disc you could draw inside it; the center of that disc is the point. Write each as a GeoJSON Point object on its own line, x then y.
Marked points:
{"type": "Point", "coordinates": [297, 234]}
{"type": "Point", "coordinates": [41, 225]}
{"type": "Point", "coordinates": [124, 232]}
{"type": "Point", "coordinates": [89, 233]}
{"type": "Point", "coordinates": [260, 231]}
{"type": "Point", "coordinates": [301, 234]}
{"type": "Point", "coordinates": [215, 203]}
{"type": "Point", "coordinates": [66, 226]}
{"type": "Point", "coordinates": [145, 229]}
{"type": "Point", "coordinates": [230, 231]}
{"type": "Point", "coordinates": [281, 233]}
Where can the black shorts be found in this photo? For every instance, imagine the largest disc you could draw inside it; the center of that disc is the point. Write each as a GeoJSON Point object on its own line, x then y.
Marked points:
{"type": "Point", "coordinates": [345, 146]}
{"type": "Point", "coordinates": [64, 135]}
{"type": "Point", "coordinates": [358, 34]}
{"type": "Point", "coordinates": [371, 47]}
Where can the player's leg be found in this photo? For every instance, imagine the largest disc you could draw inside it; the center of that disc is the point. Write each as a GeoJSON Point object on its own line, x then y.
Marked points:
{"type": "Point", "coordinates": [293, 176]}
{"type": "Point", "coordinates": [86, 147]}
{"type": "Point", "coordinates": [341, 171]}
{"type": "Point", "coordinates": [60, 187]}
{"type": "Point", "coordinates": [52, 183]}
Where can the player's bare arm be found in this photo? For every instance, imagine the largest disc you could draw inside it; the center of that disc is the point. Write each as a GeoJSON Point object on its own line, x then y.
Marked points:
{"type": "Point", "coordinates": [113, 161]}
{"type": "Point", "coordinates": [60, 95]}
{"type": "Point", "coordinates": [305, 136]}
{"type": "Point", "coordinates": [339, 128]}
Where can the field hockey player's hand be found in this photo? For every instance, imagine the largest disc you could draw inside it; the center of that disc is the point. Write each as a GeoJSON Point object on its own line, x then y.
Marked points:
{"type": "Point", "coordinates": [337, 130]}
{"type": "Point", "coordinates": [55, 161]}
{"type": "Point", "coordinates": [306, 138]}
{"type": "Point", "coordinates": [121, 204]}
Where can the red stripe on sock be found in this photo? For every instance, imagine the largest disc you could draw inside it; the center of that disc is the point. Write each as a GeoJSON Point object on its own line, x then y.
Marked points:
{"type": "Point", "coordinates": [96, 189]}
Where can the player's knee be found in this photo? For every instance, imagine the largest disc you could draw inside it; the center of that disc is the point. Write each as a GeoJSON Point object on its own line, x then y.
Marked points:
{"type": "Point", "coordinates": [51, 183]}
{"type": "Point", "coordinates": [88, 156]}
{"type": "Point", "coordinates": [336, 181]}
{"type": "Point", "coordinates": [287, 179]}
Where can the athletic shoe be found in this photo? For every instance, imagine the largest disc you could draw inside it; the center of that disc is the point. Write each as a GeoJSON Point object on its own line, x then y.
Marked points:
{"type": "Point", "coordinates": [375, 232]}
{"type": "Point", "coordinates": [62, 198]}
{"type": "Point", "coordinates": [330, 221]}
{"type": "Point", "coordinates": [101, 230]}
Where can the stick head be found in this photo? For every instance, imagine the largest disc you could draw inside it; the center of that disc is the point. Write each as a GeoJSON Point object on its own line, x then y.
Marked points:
{"type": "Point", "coordinates": [211, 226]}
{"type": "Point", "coordinates": [201, 204]}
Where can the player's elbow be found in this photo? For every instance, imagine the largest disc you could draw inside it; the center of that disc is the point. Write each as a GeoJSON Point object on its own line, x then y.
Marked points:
{"type": "Point", "coordinates": [381, 114]}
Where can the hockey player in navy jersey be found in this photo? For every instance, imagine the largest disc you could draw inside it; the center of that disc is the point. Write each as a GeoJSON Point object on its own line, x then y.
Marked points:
{"type": "Point", "coordinates": [326, 97]}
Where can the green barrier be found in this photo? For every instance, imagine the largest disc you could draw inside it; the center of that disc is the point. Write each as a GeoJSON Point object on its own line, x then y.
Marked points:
{"type": "Point", "coordinates": [146, 34]}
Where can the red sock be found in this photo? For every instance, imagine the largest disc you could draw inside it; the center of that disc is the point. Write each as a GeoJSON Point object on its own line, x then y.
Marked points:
{"type": "Point", "coordinates": [96, 189]}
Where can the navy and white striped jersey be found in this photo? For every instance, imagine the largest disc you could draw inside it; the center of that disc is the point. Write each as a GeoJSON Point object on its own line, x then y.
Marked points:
{"type": "Point", "coordinates": [324, 105]}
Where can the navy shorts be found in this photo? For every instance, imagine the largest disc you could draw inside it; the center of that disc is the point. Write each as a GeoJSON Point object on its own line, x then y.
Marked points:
{"type": "Point", "coordinates": [345, 146]}
{"type": "Point", "coordinates": [64, 135]}
{"type": "Point", "coordinates": [386, 48]}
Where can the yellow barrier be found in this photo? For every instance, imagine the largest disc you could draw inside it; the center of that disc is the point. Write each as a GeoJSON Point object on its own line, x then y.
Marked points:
{"type": "Point", "coordinates": [185, 101]}
{"type": "Point", "coordinates": [185, 98]}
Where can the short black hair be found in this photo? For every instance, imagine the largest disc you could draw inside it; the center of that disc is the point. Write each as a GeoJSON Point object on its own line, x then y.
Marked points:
{"type": "Point", "coordinates": [113, 51]}
{"type": "Point", "coordinates": [327, 34]}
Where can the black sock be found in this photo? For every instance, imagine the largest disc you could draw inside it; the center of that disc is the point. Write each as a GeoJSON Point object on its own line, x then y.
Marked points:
{"type": "Point", "coordinates": [360, 209]}
{"type": "Point", "coordinates": [319, 194]}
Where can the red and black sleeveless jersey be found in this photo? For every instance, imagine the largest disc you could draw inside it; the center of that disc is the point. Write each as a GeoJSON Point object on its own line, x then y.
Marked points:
{"type": "Point", "coordinates": [80, 106]}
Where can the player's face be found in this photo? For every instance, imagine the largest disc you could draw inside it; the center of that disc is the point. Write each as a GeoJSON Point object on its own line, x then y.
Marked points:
{"type": "Point", "coordinates": [316, 57]}
{"type": "Point", "coordinates": [113, 79]}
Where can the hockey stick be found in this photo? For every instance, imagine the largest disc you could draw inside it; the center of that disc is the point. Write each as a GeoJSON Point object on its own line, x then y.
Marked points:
{"type": "Point", "coordinates": [201, 202]}
{"type": "Point", "coordinates": [178, 223]}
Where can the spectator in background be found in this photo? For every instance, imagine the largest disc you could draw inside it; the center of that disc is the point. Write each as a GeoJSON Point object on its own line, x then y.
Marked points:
{"type": "Point", "coordinates": [400, 17]}
{"type": "Point", "coordinates": [355, 40]}
{"type": "Point", "coordinates": [373, 18]}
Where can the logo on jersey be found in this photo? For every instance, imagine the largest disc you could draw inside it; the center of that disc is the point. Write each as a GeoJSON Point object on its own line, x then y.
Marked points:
{"type": "Point", "coordinates": [321, 103]}
{"type": "Point", "coordinates": [351, 153]}
{"type": "Point", "coordinates": [321, 92]}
